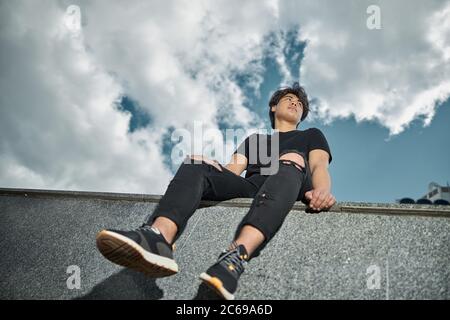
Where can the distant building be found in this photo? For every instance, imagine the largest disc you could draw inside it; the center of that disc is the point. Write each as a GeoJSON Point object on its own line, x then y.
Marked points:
{"type": "Point", "coordinates": [436, 192]}
{"type": "Point", "coordinates": [436, 195]}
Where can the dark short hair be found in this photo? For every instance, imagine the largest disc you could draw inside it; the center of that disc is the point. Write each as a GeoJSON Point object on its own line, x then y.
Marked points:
{"type": "Point", "coordinates": [298, 91]}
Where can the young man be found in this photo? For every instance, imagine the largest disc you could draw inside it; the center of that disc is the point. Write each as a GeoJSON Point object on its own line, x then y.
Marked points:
{"type": "Point", "coordinates": [302, 174]}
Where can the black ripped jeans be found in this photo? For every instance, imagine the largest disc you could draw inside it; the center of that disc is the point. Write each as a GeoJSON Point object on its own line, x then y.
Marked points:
{"type": "Point", "coordinates": [273, 195]}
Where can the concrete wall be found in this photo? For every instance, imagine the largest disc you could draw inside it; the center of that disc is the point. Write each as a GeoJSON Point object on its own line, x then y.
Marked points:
{"type": "Point", "coordinates": [331, 255]}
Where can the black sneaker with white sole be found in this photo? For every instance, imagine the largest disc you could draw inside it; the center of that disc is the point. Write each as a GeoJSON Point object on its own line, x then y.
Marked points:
{"type": "Point", "coordinates": [223, 276]}
{"type": "Point", "coordinates": [144, 249]}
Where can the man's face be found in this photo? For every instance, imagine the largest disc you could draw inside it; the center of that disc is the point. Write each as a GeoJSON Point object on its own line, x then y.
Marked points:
{"type": "Point", "coordinates": [289, 108]}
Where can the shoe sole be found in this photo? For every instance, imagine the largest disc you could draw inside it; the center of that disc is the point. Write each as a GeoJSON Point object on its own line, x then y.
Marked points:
{"type": "Point", "coordinates": [127, 253]}
{"type": "Point", "coordinates": [217, 285]}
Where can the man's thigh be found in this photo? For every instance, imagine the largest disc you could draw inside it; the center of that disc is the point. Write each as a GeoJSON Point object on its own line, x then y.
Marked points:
{"type": "Point", "coordinates": [307, 182]}
{"type": "Point", "coordinates": [225, 185]}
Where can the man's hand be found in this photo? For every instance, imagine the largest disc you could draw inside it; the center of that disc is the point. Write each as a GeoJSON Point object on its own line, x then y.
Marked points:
{"type": "Point", "coordinates": [214, 163]}
{"type": "Point", "coordinates": [320, 199]}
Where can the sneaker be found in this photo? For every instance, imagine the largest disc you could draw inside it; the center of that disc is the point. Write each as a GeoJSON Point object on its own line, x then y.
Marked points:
{"type": "Point", "coordinates": [144, 249]}
{"type": "Point", "coordinates": [223, 276]}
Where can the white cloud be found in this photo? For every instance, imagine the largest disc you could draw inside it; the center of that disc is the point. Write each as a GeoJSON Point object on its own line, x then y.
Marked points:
{"type": "Point", "coordinates": [393, 75]}
{"type": "Point", "coordinates": [59, 128]}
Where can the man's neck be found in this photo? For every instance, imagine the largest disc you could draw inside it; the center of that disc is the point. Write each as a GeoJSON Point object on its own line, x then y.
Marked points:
{"type": "Point", "coordinates": [285, 128]}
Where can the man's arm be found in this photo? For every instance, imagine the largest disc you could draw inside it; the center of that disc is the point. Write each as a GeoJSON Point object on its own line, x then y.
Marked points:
{"type": "Point", "coordinates": [320, 197]}
{"type": "Point", "coordinates": [318, 162]}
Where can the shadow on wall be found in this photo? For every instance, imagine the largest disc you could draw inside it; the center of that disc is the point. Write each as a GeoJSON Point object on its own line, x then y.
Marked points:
{"type": "Point", "coordinates": [132, 285]}
{"type": "Point", "coordinates": [125, 285]}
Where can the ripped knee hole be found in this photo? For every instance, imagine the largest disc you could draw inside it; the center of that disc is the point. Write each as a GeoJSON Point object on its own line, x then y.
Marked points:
{"type": "Point", "coordinates": [286, 161]}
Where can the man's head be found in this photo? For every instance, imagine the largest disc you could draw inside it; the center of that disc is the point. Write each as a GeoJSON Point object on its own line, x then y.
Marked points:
{"type": "Point", "coordinates": [289, 103]}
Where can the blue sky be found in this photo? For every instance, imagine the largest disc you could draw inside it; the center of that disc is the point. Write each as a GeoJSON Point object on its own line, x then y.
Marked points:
{"type": "Point", "coordinates": [368, 164]}
{"type": "Point", "coordinates": [87, 103]}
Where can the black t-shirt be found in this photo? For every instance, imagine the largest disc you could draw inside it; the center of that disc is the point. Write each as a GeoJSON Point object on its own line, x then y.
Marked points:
{"type": "Point", "coordinates": [303, 141]}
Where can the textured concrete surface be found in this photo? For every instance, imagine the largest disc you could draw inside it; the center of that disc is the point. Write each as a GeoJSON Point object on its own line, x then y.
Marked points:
{"type": "Point", "coordinates": [331, 255]}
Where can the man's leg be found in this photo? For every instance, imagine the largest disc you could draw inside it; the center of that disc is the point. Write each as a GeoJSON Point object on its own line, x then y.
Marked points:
{"type": "Point", "coordinates": [149, 249]}
{"type": "Point", "coordinates": [252, 237]}
{"type": "Point", "coordinates": [272, 203]}
{"type": "Point", "coordinates": [167, 227]}
{"type": "Point", "coordinates": [269, 208]}
{"type": "Point", "coordinates": [193, 182]}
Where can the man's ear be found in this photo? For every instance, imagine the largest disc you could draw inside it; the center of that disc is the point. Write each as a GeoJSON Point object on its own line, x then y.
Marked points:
{"type": "Point", "coordinates": [272, 108]}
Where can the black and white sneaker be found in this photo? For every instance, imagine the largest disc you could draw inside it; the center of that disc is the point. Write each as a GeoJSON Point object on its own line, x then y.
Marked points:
{"type": "Point", "coordinates": [144, 249]}
{"type": "Point", "coordinates": [223, 276]}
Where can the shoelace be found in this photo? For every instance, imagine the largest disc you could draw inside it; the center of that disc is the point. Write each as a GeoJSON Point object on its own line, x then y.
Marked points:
{"type": "Point", "coordinates": [146, 227]}
{"type": "Point", "coordinates": [232, 257]}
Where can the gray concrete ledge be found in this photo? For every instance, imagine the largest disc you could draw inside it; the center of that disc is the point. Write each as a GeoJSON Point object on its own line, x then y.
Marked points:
{"type": "Point", "coordinates": [347, 207]}
{"type": "Point", "coordinates": [332, 255]}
